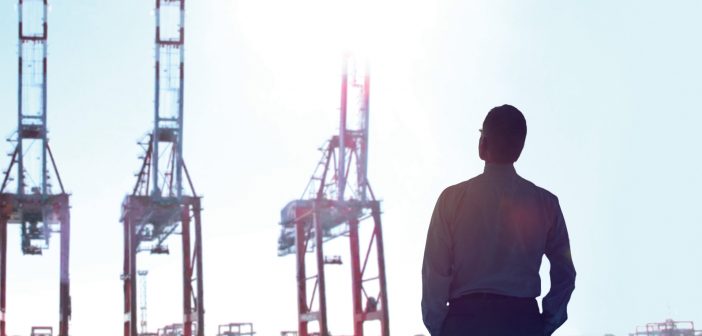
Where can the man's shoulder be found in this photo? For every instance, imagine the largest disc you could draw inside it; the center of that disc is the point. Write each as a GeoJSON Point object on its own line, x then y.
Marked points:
{"type": "Point", "coordinates": [477, 184]}
{"type": "Point", "coordinates": [541, 192]}
{"type": "Point", "coordinates": [461, 187]}
{"type": "Point", "coordinates": [456, 191]}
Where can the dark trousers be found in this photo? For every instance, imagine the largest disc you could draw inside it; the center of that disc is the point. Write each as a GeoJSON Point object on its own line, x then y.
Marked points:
{"type": "Point", "coordinates": [493, 315]}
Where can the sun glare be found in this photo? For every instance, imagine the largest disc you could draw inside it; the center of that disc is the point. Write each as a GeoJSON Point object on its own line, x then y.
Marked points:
{"type": "Point", "coordinates": [363, 27]}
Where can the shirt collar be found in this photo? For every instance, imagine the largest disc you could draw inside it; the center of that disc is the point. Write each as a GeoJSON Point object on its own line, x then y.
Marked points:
{"type": "Point", "coordinates": [500, 169]}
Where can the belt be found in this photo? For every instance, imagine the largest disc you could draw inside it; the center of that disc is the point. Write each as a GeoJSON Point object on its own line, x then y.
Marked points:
{"type": "Point", "coordinates": [487, 296]}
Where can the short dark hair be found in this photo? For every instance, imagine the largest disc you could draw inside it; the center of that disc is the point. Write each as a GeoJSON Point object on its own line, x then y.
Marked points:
{"type": "Point", "coordinates": [505, 130]}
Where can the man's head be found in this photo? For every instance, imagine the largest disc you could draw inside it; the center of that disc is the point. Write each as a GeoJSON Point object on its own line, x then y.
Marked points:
{"type": "Point", "coordinates": [503, 134]}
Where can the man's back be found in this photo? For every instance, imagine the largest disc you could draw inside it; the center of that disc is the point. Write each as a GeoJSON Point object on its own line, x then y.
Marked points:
{"type": "Point", "coordinates": [498, 223]}
{"type": "Point", "coordinates": [485, 243]}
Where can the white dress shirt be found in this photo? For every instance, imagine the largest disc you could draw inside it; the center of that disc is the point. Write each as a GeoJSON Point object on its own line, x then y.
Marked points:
{"type": "Point", "coordinates": [489, 235]}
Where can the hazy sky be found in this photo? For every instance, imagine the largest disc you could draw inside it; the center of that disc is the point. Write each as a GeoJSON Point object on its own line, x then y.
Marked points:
{"type": "Point", "coordinates": [610, 90]}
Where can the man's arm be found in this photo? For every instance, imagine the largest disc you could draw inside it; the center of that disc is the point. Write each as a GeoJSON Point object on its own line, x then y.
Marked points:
{"type": "Point", "coordinates": [562, 274]}
{"type": "Point", "coordinates": [436, 271]}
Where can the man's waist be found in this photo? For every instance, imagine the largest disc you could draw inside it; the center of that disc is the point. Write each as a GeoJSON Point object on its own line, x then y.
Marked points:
{"type": "Point", "coordinates": [477, 303]}
{"type": "Point", "coordinates": [484, 296]}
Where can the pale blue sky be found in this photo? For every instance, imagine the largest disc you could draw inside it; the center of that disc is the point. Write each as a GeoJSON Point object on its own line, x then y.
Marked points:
{"type": "Point", "coordinates": [610, 90]}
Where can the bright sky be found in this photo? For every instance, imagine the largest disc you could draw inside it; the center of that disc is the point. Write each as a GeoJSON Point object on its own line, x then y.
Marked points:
{"type": "Point", "coordinates": [610, 90]}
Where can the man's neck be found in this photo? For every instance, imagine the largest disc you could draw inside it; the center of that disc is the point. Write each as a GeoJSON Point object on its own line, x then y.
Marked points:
{"type": "Point", "coordinates": [491, 167]}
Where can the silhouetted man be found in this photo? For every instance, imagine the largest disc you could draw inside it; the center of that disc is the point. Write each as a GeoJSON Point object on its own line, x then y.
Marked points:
{"type": "Point", "coordinates": [486, 240]}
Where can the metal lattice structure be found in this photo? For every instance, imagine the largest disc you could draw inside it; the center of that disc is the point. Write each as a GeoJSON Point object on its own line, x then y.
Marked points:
{"type": "Point", "coordinates": [667, 328]}
{"type": "Point", "coordinates": [42, 331]}
{"type": "Point", "coordinates": [336, 200]}
{"type": "Point", "coordinates": [236, 329]}
{"type": "Point", "coordinates": [175, 329]}
{"type": "Point", "coordinates": [34, 205]}
{"type": "Point", "coordinates": [158, 207]}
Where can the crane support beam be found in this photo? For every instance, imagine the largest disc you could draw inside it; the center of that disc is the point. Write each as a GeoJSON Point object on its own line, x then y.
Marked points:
{"type": "Point", "coordinates": [3, 269]}
{"type": "Point", "coordinates": [53, 210]}
{"type": "Point", "coordinates": [138, 211]}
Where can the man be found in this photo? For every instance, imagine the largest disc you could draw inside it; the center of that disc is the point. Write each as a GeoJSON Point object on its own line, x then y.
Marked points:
{"type": "Point", "coordinates": [485, 243]}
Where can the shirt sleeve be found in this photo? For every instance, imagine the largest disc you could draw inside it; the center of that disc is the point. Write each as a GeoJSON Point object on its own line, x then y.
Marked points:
{"type": "Point", "coordinates": [562, 274]}
{"type": "Point", "coordinates": [436, 270]}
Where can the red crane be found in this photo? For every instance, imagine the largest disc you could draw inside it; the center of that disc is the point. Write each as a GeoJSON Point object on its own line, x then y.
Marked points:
{"type": "Point", "coordinates": [35, 205]}
{"type": "Point", "coordinates": [158, 206]}
{"type": "Point", "coordinates": [338, 198]}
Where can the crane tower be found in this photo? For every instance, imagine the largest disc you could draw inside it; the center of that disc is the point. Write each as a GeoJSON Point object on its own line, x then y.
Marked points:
{"type": "Point", "coordinates": [35, 204]}
{"type": "Point", "coordinates": [158, 206]}
{"type": "Point", "coordinates": [336, 200]}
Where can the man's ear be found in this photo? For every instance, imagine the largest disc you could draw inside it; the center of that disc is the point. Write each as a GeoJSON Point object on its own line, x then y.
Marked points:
{"type": "Point", "coordinates": [482, 148]}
